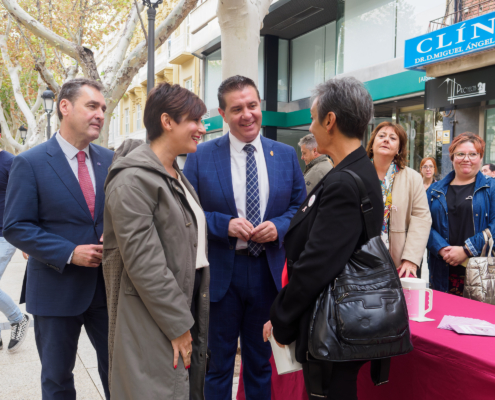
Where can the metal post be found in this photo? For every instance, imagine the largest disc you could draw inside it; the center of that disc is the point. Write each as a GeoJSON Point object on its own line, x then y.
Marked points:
{"type": "Point", "coordinates": [48, 128]}
{"type": "Point", "coordinates": [151, 51]}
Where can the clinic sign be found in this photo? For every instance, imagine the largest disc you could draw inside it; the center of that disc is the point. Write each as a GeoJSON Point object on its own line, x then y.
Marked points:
{"type": "Point", "coordinates": [471, 36]}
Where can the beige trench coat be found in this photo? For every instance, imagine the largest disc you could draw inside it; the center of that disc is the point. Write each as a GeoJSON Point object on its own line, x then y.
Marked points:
{"type": "Point", "coordinates": [410, 218]}
{"type": "Point", "coordinates": [149, 258]}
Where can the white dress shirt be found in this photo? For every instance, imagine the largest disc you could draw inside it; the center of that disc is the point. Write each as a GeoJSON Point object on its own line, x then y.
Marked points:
{"type": "Point", "coordinates": [201, 259]}
{"type": "Point", "coordinates": [71, 153]}
{"type": "Point", "coordinates": [238, 159]}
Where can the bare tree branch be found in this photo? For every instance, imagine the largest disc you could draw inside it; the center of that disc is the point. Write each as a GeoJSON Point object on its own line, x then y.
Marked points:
{"type": "Point", "coordinates": [138, 57]}
{"type": "Point", "coordinates": [83, 55]}
{"type": "Point", "coordinates": [142, 23]}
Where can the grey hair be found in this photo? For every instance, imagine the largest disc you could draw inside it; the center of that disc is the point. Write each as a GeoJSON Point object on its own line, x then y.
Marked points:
{"type": "Point", "coordinates": [349, 100]}
{"type": "Point", "coordinates": [70, 91]}
{"type": "Point", "coordinates": [309, 141]}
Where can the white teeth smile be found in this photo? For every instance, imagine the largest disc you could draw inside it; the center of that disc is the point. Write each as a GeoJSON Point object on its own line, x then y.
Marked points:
{"type": "Point", "coordinates": [248, 124]}
{"type": "Point", "coordinates": [196, 139]}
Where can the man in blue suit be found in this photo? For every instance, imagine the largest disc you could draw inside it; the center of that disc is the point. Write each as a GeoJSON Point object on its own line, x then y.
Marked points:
{"type": "Point", "coordinates": [249, 187]}
{"type": "Point", "coordinates": [54, 213]}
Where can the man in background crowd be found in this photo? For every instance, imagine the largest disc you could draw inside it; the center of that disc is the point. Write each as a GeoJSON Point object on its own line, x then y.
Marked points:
{"type": "Point", "coordinates": [19, 322]}
{"type": "Point", "coordinates": [488, 170]}
{"type": "Point", "coordinates": [317, 165]}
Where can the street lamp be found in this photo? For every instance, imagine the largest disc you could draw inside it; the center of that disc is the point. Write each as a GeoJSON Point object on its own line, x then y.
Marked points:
{"type": "Point", "coordinates": [152, 6]}
{"type": "Point", "coordinates": [23, 131]}
{"type": "Point", "coordinates": [48, 101]}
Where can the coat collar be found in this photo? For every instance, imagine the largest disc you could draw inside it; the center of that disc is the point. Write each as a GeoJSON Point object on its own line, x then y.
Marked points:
{"type": "Point", "coordinates": [304, 209]}
{"type": "Point", "coordinates": [317, 160]}
{"type": "Point", "coordinates": [443, 185]}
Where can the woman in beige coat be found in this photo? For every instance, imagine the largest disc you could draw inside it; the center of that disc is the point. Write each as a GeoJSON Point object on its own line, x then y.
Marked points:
{"type": "Point", "coordinates": [154, 260]}
{"type": "Point", "coordinates": [407, 219]}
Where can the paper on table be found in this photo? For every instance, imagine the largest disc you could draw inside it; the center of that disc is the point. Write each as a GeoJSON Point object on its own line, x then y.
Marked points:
{"type": "Point", "coordinates": [449, 320]}
{"type": "Point", "coordinates": [480, 330]}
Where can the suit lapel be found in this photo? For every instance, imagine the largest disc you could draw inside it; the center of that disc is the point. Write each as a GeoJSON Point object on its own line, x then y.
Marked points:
{"type": "Point", "coordinates": [100, 175]}
{"type": "Point", "coordinates": [271, 161]}
{"type": "Point", "coordinates": [60, 165]}
{"type": "Point", "coordinates": [222, 162]}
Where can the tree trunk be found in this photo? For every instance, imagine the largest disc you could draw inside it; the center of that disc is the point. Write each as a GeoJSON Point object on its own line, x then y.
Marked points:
{"type": "Point", "coordinates": [240, 23]}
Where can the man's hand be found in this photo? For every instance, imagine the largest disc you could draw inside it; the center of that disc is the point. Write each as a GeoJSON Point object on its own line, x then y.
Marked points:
{"type": "Point", "coordinates": [455, 255]}
{"type": "Point", "coordinates": [88, 255]}
{"type": "Point", "coordinates": [25, 255]}
{"type": "Point", "coordinates": [240, 228]}
{"type": "Point", "coordinates": [264, 233]}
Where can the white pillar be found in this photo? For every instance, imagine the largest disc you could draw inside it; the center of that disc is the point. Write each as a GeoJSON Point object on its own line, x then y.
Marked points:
{"type": "Point", "coordinates": [240, 23]}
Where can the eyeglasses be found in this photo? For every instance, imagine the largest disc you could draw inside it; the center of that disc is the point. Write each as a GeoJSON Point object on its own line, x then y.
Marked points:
{"type": "Point", "coordinates": [462, 156]}
{"type": "Point", "coordinates": [427, 167]}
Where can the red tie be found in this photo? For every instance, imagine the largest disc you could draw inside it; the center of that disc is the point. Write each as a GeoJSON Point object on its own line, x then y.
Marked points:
{"type": "Point", "coordinates": [85, 182]}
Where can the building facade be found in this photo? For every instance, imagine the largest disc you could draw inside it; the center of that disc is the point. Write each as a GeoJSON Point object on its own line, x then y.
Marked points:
{"type": "Point", "coordinates": [306, 42]}
{"type": "Point", "coordinates": [174, 63]}
{"type": "Point", "coordinates": [458, 55]}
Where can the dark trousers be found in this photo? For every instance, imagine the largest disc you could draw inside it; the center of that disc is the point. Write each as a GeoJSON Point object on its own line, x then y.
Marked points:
{"type": "Point", "coordinates": [243, 311]}
{"type": "Point", "coordinates": [56, 340]}
{"type": "Point", "coordinates": [339, 380]}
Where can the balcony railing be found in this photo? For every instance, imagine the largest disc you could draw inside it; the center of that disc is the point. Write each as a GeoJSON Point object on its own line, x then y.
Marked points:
{"type": "Point", "coordinates": [179, 46]}
{"type": "Point", "coordinates": [469, 11]}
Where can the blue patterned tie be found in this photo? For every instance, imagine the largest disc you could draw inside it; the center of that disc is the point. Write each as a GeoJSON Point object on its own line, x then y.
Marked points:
{"type": "Point", "coordinates": [252, 197]}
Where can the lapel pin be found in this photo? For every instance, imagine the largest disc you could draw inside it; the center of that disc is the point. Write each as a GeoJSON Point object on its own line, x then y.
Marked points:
{"type": "Point", "coordinates": [304, 209]}
{"type": "Point", "coordinates": [98, 163]}
{"type": "Point", "coordinates": [271, 153]}
{"type": "Point", "coordinates": [311, 200]}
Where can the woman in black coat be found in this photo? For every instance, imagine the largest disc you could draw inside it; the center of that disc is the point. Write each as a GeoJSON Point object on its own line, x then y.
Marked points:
{"type": "Point", "coordinates": [329, 225]}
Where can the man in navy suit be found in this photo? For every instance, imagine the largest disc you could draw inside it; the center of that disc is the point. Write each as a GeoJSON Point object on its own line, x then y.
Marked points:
{"type": "Point", "coordinates": [54, 213]}
{"type": "Point", "coordinates": [249, 187]}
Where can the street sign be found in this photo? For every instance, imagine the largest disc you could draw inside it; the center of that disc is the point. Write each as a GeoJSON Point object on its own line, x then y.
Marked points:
{"type": "Point", "coordinates": [466, 37]}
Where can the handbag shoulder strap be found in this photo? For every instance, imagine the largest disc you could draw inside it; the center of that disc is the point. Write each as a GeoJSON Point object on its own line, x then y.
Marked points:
{"type": "Point", "coordinates": [366, 206]}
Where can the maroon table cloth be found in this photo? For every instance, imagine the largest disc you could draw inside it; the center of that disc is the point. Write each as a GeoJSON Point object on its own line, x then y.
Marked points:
{"type": "Point", "coordinates": [443, 364]}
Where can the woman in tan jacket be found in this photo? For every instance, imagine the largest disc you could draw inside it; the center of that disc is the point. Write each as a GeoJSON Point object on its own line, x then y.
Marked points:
{"type": "Point", "coordinates": [154, 260]}
{"type": "Point", "coordinates": [407, 219]}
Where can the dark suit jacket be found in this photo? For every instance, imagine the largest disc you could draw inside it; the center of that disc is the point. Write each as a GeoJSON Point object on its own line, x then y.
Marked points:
{"type": "Point", "coordinates": [46, 216]}
{"type": "Point", "coordinates": [320, 240]}
{"type": "Point", "coordinates": [208, 170]}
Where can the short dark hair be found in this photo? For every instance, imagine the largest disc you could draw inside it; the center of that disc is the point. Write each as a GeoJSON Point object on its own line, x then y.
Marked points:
{"type": "Point", "coordinates": [491, 166]}
{"type": "Point", "coordinates": [349, 100]}
{"type": "Point", "coordinates": [176, 101]}
{"type": "Point", "coordinates": [70, 90]}
{"type": "Point", "coordinates": [236, 82]}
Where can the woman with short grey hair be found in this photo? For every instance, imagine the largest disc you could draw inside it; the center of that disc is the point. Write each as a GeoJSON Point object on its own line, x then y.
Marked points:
{"type": "Point", "coordinates": [328, 227]}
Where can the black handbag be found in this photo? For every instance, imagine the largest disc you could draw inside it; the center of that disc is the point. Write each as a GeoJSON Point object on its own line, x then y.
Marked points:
{"type": "Point", "coordinates": [362, 315]}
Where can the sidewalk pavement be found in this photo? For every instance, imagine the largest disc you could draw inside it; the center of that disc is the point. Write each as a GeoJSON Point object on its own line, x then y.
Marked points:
{"type": "Point", "coordinates": [20, 372]}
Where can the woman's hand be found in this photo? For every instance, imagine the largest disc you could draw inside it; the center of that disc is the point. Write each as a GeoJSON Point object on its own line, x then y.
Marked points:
{"type": "Point", "coordinates": [267, 331]}
{"type": "Point", "coordinates": [455, 255]}
{"type": "Point", "coordinates": [406, 268]}
{"type": "Point", "coordinates": [183, 345]}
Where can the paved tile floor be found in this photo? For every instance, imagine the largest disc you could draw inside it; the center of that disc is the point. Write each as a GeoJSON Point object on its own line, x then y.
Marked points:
{"type": "Point", "coordinates": [20, 372]}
